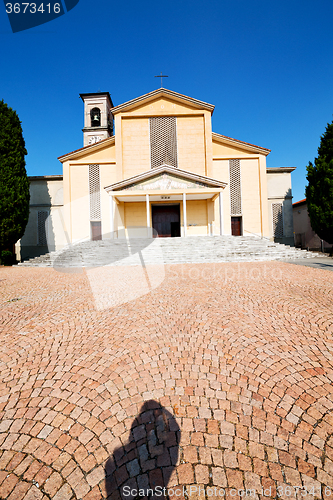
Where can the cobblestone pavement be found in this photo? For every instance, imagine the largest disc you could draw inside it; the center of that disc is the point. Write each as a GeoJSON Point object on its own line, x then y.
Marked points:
{"type": "Point", "coordinates": [220, 378]}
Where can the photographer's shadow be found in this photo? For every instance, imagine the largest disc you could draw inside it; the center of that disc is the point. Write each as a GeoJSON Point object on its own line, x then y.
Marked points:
{"type": "Point", "coordinates": [143, 466]}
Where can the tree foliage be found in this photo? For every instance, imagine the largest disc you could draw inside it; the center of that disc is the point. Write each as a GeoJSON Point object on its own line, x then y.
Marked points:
{"type": "Point", "coordinates": [14, 183]}
{"type": "Point", "coordinates": [319, 192]}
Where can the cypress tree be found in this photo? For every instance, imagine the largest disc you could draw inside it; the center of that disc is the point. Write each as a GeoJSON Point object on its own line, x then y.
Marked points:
{"type": "Point", "coordinates": [14, 183]}
{"type": "Point", "coordinates": [319, 192]}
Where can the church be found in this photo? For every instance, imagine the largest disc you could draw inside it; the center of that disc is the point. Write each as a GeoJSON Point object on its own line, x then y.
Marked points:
{"type": "Point", "coordinates": [152, 166]}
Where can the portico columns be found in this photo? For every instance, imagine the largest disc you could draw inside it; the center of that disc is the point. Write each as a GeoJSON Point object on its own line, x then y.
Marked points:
{"type": "Point", "coordinates": [148, 215]}
{"type": "Point", "coordinates": [111, 216]}
{"type": "Point", "coordinates": [184, 214]}
{"type": "Point", "coordinates": [221, 212]}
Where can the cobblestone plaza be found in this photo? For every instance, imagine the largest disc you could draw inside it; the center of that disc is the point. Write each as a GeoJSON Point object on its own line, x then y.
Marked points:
{"type": "Point", "coordinates": [221, 377]}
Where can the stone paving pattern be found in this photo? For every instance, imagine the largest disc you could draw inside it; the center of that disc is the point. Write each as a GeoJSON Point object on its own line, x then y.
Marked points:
{"type": "Point", "coordinates": [221, 376]}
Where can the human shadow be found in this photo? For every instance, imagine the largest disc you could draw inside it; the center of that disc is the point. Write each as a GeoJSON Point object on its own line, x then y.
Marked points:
{"type": "Point", "coordinates": [142, 467]}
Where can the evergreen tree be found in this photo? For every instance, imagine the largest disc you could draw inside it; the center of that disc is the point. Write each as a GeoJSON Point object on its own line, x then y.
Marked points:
{"type": "Point", "coordinates": [319, 192]}
{"type": "Point", "coordinates": [14, 183]}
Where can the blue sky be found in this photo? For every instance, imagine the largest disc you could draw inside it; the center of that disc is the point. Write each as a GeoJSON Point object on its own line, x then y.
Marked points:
{"type": "Point", "coordinates": [265, 65]}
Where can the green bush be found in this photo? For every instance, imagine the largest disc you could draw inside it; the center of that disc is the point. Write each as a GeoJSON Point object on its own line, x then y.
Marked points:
{"type": "Point", "coordinates": [7, 258]}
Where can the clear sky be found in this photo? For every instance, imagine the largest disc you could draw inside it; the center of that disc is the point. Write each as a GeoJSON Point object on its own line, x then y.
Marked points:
{"type": "Point", "coordinates": [265, 65]}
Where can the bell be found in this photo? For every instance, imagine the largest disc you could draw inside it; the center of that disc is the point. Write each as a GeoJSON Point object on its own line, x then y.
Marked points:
{"type": "Point", "coordinates": [96, 118]}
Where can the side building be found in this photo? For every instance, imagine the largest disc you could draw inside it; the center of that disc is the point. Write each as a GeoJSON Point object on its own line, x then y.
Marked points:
{"type": "Point", "coordinates": [305, 237]}
{"type": "Point", "coordinates": [44, 229]}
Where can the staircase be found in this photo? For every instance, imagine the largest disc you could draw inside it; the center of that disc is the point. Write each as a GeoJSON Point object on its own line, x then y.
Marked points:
{"type": "Point", "coordinates": [144, 251]}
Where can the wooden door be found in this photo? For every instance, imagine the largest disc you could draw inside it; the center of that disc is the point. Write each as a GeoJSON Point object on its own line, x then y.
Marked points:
{"type": "Point", "coordinates": [96, 230]}
{"type": "Point", "coordinates": [236, 226]}
{"type": "Point", "coordinates": [166, 220]}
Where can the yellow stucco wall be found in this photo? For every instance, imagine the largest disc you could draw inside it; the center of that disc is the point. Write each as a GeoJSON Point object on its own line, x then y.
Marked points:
{"type": "Point", "coordinates": [191, 144]}
{"type": "Point", "coordinates": [227, 151]}
{"type": "Point", "coordinates": [135, 214]}
{"type": "Point", "coordinates": [132, 213]}
{"type": "Point", "coordinates": [108, 175]}
{"type": "Point", "coordinates": [220, 171]}
{"type": "Point", "coordinates": [253, 192]}
{"type": "Point", "coordinates": [250, 197]}
{"type": "Point", "coordinates": [197, 219]}
{"type": "Point", "coordinates": [135, 146]}
{"type": "Point", "coordinates": [263, 197]}
{"type": "Point", "coordinates": [79, 203]}
{"type": "Point", "coordinates": [193, 136]}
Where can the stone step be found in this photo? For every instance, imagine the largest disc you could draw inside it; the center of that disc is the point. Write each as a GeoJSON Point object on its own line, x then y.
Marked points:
{"type": "Point", "coordinates": [199, 249]}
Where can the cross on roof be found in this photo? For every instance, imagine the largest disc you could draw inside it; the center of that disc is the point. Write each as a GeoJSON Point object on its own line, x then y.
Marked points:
{"type": "Point", "coordinates": [161, 76]}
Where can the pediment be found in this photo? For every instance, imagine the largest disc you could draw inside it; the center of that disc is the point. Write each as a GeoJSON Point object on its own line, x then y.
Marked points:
{"type": "Point", "coordinates": [166, 181]}
{"type": "Point", "coordinates": [160, 94]}
{"type": "Point", "coordinates": [229, 144]}
{"type": "Point", "coordinates": [164, 178]}
{"type": "Point", "coordinates": [105, 147]}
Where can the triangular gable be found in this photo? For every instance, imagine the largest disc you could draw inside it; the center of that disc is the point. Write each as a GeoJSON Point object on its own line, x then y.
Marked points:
{"type": "Point", "coordinates": [235, 143]}
{"type": "Point", "coordinates": [166, 177]}
{"type": "Point", "coordinates": [87, 150]}
{"type": "Point", "coordinates": [169, 94]}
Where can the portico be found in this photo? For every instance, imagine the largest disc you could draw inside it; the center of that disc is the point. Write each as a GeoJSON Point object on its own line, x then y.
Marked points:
{"type": "Point", "coordinates": [166, 201]}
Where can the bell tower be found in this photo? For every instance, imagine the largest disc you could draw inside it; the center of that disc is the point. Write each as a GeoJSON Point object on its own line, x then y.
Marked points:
{"type": "Point", "coordinates": [98, 119]}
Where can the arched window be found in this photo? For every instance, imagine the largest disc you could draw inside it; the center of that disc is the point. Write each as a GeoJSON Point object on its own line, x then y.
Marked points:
{"type": "Point", "coordinates": [95, 116]}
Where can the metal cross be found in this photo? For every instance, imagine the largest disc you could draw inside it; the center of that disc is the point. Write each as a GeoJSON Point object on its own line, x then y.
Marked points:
{"type": "Point", "coordinates": [161, 76]}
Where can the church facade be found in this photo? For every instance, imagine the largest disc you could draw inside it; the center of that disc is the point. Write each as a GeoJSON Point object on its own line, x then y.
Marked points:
{"type": "Point", "coordinates": [153, 167]}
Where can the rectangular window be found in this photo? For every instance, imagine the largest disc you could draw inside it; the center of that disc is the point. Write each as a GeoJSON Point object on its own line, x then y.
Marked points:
{"type": "Point", "coordinates": [277, 220]}
{"type": "Point", "coordinates": [235, 187]}
{"type": "Point", "coordinates": [163, 141]}
{"type": "Point", "coordinates": [94, 193]}
{"type": "Point", "coordinates": [42, 228]}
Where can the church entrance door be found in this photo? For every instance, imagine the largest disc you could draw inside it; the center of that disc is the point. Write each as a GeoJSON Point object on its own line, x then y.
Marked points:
{"type": "Point", "coordinates": [166, 220]}
{"type": "Point", "coordinates": [236, 226]}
